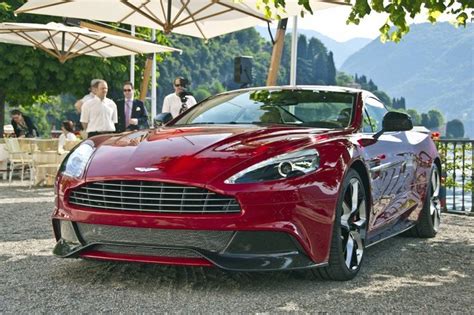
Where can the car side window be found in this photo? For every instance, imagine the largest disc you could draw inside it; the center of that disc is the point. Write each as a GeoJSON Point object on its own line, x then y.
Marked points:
{"type": "Point", "coordinates": [366, 123]}
{"type": "Point", "coordinates": [376, 111]}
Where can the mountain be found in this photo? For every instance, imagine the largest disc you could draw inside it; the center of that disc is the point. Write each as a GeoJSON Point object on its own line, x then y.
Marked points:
{"type": "Point", "coordinates": [432, 67]}
{"type": "Point", "coordinates": [341, 50]}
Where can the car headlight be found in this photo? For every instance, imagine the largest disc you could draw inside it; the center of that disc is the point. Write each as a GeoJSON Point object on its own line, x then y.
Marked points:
{"type": "Point", "coordinates": [76, 162]}
{"type": "Point", "coordinates": [282, 166]}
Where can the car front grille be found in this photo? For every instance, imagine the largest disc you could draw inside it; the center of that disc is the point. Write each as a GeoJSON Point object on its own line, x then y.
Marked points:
{"type": "Point", "coordinates": [147, 251]}
{"type": "Point", "coordinates": [152, 197]}
{"type": "Point", "coordinates": [158, 242]}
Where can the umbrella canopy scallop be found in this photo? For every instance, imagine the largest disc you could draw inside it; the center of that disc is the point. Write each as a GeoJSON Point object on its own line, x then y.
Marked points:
{"type": "Point", "coordinates": [67, 42]}
{"type": "Point", "coordinates": [199, 18]}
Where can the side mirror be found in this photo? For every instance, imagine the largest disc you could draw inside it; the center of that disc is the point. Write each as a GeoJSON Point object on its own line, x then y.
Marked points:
{"type": "Point", "coordinates": [395, 121]}
{"type": "Point", "coordinates": [161, 119]}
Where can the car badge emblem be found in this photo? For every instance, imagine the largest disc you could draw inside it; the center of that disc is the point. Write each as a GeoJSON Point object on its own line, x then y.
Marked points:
{"type": "Point", "coordinates": [146, 169]}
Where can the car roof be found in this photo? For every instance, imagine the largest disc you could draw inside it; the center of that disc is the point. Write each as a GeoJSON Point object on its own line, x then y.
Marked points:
{"type": "Point", "coordinates": [329, 88]}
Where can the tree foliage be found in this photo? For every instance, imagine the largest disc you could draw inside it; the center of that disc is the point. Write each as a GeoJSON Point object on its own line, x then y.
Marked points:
{"type": "Point", "coordinates": [209, 65]}
{"type": "Point", "coordinates": [399, 103]}
{"type": "Point", "coordinates": [454, 129]}
{"type": "Point", "coordinates": [396, 25]}
{"type": "Point", "coordinates": [29, 76]}
{"type": "Point", "coordinates": [432, 120]}
{"type": "Point", "coordinates": [415, 117]}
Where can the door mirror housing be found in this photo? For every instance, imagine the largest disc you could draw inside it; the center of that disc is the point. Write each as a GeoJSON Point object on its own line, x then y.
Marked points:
{"type": "Point", "coordinates": [162, 119]}
{"type": "Point", "coordinates": [395, 121]}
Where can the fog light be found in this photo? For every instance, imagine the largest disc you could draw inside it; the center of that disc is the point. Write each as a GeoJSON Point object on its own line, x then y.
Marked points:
{"type": "Point", "coordinates": [67, 232]}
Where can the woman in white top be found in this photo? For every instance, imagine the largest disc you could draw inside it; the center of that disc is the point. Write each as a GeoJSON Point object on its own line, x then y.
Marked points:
{"type": "Point", "coordinates": [67, 134]}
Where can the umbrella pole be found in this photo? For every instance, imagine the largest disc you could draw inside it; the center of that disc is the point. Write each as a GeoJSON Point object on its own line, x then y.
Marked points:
{"type": "Point", "coordinates": [168, 17]}
{"type": "Point", "coordinates": [132, 60]}
{"type": "Point", "coordinates": [63, 42]}
{"type": "Point", "coordinates": [146, 77]}
{"type": "Point", "coordinates": [276, 53]}
{"type": "Point", "coordinates": [153, 79]}
{"type": "Point", "coordinates": [294, 51]}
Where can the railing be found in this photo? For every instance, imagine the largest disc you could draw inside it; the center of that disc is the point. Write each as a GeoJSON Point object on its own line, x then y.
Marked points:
{"type": "Point", "coordinates": [458, 160]}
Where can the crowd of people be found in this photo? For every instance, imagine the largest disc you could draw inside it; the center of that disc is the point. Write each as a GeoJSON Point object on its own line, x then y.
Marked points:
{"type": "Point", "coordinates": [101, 115]}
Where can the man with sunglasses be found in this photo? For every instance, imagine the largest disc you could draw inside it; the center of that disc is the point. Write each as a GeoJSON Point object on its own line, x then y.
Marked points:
{"type": "Point", "coordinates": [132, 114]}
{"type": "Point", "coordinates": [179, 101]}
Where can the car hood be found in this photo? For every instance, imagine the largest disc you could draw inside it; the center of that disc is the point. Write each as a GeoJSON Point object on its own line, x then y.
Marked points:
{"type": "Point", "coordinates": [197, 154]}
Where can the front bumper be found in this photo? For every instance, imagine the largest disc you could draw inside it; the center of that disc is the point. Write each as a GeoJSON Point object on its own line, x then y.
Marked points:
{"type": "Point", "coordinates": [230, 250]}
{"type": "Point", "coordinates": [280, 226]}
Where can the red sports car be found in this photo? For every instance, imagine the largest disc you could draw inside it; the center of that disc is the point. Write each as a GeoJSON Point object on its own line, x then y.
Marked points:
{"type": "Point", "coordinates": [272, 178]}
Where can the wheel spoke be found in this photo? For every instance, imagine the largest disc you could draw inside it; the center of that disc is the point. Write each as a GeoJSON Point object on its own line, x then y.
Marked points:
{"type": "Point", "coordinates": [346, 213]}
{"type": "Point", "coordinates": [359, 224]}
{"type": "Point", "coordinates": [436, 219]}
{"type": "Point", "coordinates": [349, 250]}
{"type": "Point", "coordinates": [355, 195]}
{"type": "Point", "coordinates": [435, 211]}
{"type": "Point", "coordinates": [435, 184]}
{"type": "Point", "coordinates": [362, 209]}
{"type": "Point", "coordinates": [359, 247]}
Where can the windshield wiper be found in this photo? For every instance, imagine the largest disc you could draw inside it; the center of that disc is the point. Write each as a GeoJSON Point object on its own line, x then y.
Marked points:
{"type": "Point", "coordinates": [202, 123]}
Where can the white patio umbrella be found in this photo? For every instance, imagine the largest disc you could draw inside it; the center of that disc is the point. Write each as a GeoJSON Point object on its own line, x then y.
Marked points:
{"type": "Point", "coordinates": [66, 42]}
{"type": "Point", "coordinates": [198, 18]}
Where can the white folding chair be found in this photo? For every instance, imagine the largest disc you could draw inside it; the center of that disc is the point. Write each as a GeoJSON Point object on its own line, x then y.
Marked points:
{"type": "Point", "coordinates": [19, 158]}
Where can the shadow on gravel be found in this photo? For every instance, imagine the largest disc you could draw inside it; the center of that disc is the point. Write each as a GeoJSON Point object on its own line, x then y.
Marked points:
{"type": "Point", "coordinates": [396, 264]}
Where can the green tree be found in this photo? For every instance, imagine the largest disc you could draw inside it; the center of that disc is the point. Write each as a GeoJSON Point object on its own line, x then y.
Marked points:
{"type": "Point", "coordinates": [320, 69]}
{"type": "Point", "coordinates": [397, 10]}
{"type": "Point", "coordinates": [201, 93]}
{"type": "Point", "coordinates": [454, 129]}
{"type": "Point", "coordinates": [399, 103]}
{"type": "Point", "coordinates": [331, 70]}
{"type": "Point", "coordinates": [436, 118]}
{"type": "Point", "coordinates": [210, 65]}
{"type": "Point", "coordinates": [28, 76]}
{"type": "Point", "coordinates": [425, 120]}
{"type": "Point", "coordinates": [432, 120]}
{"type": "Point", "coordinates": [415, 117]}
{"type": "Point", "coordinates": [302, 47]}
{"type": "Point", "coordinates": [343, 79]}
{"type": "Point", "coordinates": [383, 97]}
{"type": "Point", "coordinates": [315, 46]}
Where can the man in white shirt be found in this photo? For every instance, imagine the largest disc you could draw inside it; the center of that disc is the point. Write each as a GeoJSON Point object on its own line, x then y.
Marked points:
{"type": "Point", "coordinates": [99, 115]}
{"type": "Point", "coordinates": [173, 102]}
{"type": "Point", "coordinates": [79, 103]}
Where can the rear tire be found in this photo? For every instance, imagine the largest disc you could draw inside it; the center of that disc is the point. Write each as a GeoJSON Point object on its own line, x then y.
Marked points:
{"type": "Point", "coordinates": [430, 216]}
{"type": "Point", "coordinates": [349, 231]}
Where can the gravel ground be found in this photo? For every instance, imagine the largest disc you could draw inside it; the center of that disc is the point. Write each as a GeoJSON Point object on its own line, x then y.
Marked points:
{"type": "Point", "coordinates": [399, 275]}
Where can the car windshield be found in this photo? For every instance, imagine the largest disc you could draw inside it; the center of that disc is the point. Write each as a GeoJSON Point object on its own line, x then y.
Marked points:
{"type": "Point", "coordinates": [305, 108]}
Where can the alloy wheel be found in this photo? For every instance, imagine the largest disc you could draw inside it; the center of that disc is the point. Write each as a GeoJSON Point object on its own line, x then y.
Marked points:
{"type": "Point", "coordinates": [353, 223]}
{"type": "Point", "coordinates": [435, 207]}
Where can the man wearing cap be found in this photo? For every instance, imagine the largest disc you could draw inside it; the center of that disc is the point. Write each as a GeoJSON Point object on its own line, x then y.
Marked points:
{"type": "Point", "coordinates": [132, 114]}
{"type": "Point", "coordinates": [79, 103]}
{"type": "Point", "coordinates": [99, 114]}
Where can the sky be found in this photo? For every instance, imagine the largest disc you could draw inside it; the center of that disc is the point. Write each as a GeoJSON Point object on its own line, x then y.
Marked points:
{"type": "Point", "coordinates": [332, 23]}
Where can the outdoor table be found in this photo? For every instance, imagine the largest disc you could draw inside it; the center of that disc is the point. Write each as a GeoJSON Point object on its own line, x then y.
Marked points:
{"type": "Point", "coordinates": [46, 164]}
{"type": "Point", "coordinates": [4, 161]}
{"type": "Point", "coordinates": [45, 157]}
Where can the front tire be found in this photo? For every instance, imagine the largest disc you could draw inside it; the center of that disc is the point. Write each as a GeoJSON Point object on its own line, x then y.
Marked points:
{"type": "Point", "coordinates": [349, 232]}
